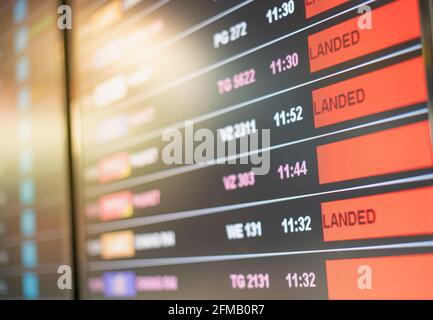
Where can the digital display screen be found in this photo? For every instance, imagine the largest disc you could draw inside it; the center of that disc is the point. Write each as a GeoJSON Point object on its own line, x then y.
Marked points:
{"type": "Point", "coordinates": [34, 185]}
{"type": "Point", "coordinates": [216, 149]}
{"type": "Point", "coordinates": [333, 201]}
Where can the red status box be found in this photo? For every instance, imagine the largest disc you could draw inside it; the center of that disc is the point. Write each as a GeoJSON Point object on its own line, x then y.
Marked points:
{"type": "Point", "coordinates": [399, 149]}
{"type": "Point", "coordinates": [395, 214]}
{"type": "Point", "coordinates": [402, 277]}
{"type": "Point", "coordinates": [397, 86]}
{"type": "Point", "coordinates": [393, 24]}
{"type": "Point", "coordinates": [315, 7]}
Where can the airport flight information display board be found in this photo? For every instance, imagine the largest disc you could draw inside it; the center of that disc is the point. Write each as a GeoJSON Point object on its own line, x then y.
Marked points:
{"type": "Point", "coordinates": [344, 210]}
{"type": "Point", "coordinates": [34, 183]}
